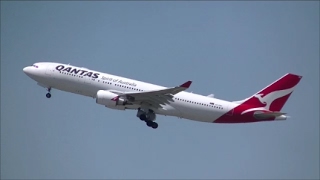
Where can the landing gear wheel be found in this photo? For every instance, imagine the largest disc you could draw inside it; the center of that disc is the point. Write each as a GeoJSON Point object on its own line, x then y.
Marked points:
{"type": "Point", "coordinates": [143, 117]}
{"type": "Point", "coordinates": [154, 125]}
{"type": "Point", "coordinates": [48, 95]}
{"type": "Point", "coordinates": [149, 123]}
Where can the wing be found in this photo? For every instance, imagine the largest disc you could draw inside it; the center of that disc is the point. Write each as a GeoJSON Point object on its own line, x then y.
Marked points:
{"type": "Point", "coordinates": [155, 98]}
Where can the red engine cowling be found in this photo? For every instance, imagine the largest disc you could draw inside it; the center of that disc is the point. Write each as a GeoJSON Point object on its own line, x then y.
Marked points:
{"type": "Point", "coordinates": [110, 100]}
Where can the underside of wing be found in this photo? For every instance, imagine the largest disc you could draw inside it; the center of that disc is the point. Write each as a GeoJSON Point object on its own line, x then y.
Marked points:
{"type": "Point", "coordinates": [155, 98]}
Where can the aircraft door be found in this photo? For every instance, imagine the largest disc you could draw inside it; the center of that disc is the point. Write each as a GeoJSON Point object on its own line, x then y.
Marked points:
{"type": "Point", "coordinates": [87, 79]}
{"type": "Point", "coordinates": [49, 70]}
{"type": "Point", "coordinates": [230, 110]}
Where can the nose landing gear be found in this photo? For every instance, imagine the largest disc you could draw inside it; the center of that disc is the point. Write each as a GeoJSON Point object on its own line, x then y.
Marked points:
{"type": "Point", "coordinates": [48, 95]}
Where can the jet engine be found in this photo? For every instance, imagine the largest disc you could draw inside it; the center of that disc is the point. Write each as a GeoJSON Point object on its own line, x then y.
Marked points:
{"type": "Point", "coordinates": [110, 100]}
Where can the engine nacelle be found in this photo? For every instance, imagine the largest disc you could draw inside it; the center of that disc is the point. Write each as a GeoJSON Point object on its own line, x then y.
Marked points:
{"type": "Point", "coordinates": [110, 100]}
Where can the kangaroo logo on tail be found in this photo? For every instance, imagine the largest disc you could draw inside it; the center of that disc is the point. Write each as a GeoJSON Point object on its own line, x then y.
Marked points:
{"type": "Point", "coordinates": [265, 105]}
{"type": "Point", "coordinates": [269, 97]}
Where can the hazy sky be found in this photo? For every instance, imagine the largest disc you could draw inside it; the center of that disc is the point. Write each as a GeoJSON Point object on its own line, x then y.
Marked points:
{"type": "Point", "coordinates": [230, 49]}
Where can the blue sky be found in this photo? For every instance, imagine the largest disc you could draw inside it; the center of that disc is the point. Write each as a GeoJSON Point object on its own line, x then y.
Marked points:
{"type": "Point", "coordinates": [230, 49]}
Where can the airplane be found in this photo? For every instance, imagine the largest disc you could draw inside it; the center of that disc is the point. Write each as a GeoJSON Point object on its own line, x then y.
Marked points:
{"type": "Point", "coordinates": [150, 100]}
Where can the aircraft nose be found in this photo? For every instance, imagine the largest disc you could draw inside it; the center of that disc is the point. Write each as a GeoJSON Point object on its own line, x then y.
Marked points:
{"type": "Point", "coordinates": [27, 70]}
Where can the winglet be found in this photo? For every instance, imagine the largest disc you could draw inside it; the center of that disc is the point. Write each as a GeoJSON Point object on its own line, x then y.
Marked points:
{"type": "Point", "coordinates": [186, 84]}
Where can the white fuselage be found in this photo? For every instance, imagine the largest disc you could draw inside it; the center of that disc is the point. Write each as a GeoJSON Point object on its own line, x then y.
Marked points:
{"type": "Point", "coordinates": [184, 105]}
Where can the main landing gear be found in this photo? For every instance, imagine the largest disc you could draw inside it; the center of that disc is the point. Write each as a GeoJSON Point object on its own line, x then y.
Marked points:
{"type": "Point", "coordinates": [148, 116]}
{"type": "Point", "coordinates": [152, 124]}
{"type": "Point", "coordinates": [48, 95]}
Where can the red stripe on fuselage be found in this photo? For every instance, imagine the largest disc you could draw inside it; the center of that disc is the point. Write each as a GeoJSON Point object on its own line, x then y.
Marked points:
{"type": "Point", "coordinates": [237, 117]}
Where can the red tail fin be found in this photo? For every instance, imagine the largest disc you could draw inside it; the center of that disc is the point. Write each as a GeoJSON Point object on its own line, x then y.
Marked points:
{"type": "Point", "coordinates": [274, 96]}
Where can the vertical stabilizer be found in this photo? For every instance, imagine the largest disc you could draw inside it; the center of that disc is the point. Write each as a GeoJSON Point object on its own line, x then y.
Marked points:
{"type": "Point", "coordinates": [274, 96]}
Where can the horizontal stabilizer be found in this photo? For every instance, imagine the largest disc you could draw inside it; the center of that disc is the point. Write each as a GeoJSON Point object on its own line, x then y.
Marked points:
{"type": "Point", "coordinates": [275, 113]}
{"type": "Point", "coordinates": [266, 115]}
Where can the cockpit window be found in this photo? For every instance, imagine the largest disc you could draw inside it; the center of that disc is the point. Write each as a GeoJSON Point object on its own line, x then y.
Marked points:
{"type": "Point", "coordinates": [35, 66]}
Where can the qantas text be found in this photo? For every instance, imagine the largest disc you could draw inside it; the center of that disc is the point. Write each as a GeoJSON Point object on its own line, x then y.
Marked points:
{"type": "Point", "coordinates": [76, 71]}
